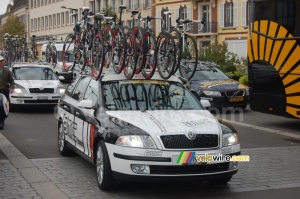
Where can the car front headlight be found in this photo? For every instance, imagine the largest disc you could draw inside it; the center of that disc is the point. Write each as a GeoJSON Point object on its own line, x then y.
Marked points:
{"type": "Point", "coordinates": [230, 139]}
{"type": "Point", "coordinates": [212, 93]}
{"type": "Point", "coordinates": [139, 141]}
{"type": "Point", "coordinates": [247, 91]}
{"type": "Point", "coordinates": [61, 90]}
{"type": "Point", "coordinates": [19, 90]}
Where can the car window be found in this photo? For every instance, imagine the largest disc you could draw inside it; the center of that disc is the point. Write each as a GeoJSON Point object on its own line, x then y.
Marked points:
{"type": "Point", "coordinates": [204, 73]}
{"type": "Point", "coordinates": [80, 88]}
{"type": "Point", "coordinates": [92, 92]}
{"type": "Point", "coordinates": [34, 73]}
{"type": "Point", "coordinates": [71, 87]}
{"type": "Point", "coordinates": [148, 95]}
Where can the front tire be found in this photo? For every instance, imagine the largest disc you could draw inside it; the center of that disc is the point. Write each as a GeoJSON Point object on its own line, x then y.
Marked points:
{"type": "Point", "coordinates": [104, 174]}
{"type": "Point", "coordinates": [63, 149]}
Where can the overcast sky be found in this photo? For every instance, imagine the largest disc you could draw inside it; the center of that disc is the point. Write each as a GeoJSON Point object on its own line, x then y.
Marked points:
{"type": "Point", "coordinates": [3, 6]}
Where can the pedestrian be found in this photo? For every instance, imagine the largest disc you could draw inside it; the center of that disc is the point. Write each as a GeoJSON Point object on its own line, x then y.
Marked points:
{"type": "Point", "coordinates": [6, 84]}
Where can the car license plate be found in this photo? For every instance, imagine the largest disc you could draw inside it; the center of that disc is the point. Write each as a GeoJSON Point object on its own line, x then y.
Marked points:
{"type": "Point", "coordinates": [42, 97]}
{"type": "Point", "coordinates": [236, 99]}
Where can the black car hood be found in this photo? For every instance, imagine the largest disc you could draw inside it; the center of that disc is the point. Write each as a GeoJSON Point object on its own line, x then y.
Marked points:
{"type": "Point", "coordinates": [219, 85]}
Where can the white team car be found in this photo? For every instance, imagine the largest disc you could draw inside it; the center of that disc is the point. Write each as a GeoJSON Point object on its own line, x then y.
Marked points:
{"type": "Point", "coordinates": [143, 129]}
{"type": "Point", "coordinates": [35, 84]}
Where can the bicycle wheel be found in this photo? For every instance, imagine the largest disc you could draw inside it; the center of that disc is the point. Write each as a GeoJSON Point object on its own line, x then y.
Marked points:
{"type": "Point", "coordinates": [128, 96]}
{"type": "Point", "coordinates": [149, 60]}
{"type": "Point", "coordinates": [157, 97]}
{"type": "Point", "coordinates": [68, 52]}
{"type": "Point", "coordinates": [139, 35]}
{"type": "Point", "coordinates": [130, 56]}
{"type": "Point", "coordinates": [189, 57]}
{"type": "Point", "coordinates": [107, 46]}
{"type": "Point", "coordinates": [178, 46]}
{"type": "Point", "coordinates": [141, 97]}
{"type": "Point", "coordinates": [166, 55]}
{"type": "Point", "coordinates": [48, 54]}
{"type": "Point", "coordinates": [97, 56]}
{"type": "Point", "coordinates": [54, 56]}
{"type": "Point", "coordinates": [118, 50]}
{"type": "Point", "coordinates": [176, 95]}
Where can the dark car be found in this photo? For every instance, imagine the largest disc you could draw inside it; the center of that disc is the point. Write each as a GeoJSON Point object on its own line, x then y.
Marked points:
{"type": "Point", "coordinates": [212, 84]}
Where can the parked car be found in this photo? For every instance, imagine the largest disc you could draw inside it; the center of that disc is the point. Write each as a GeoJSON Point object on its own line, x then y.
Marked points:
{"type": "Point", "coordinates": [142, 130]}
{"type": "Point", "coordinates": [212, 84]}
{"type": "Point", "coordinates": [35, 84]}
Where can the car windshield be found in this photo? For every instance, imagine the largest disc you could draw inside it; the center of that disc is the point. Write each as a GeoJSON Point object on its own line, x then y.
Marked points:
{"type": "Point", "coordinates": [34, 73]}
{"type": "Point", "coordinates": [148, 95]}
{"type": "Point", "coordinates": [68, 58]}
{"type": "Point", "coordinates": [208, 73]}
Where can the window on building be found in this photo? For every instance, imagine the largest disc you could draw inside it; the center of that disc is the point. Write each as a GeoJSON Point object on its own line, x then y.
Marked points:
{"type": "Point", "coordinates": [50, 21]}
{"type": "Point", "coordinates": [35, 24]}
{"type": "Point", "coordinates": [38, 3]}
{"type": "Point", "coordinates": [62, 18]}
{"type": "Point", "coordinates": [228, 14]}
{"type": "Point", "coordinates": [113, 5]}
{"type": "Point", "coordinates": [245, 13]}
{"type": "Point", "coordinates": [58, 19]}
{"type": "Point", "coordinates": [42, 23]}
{"type": "Point", "coordinates": [31, 3]}
{"type": "Point", "coordinates": [54, 20]}
{"type": "Point", "coordinates": [46, 22]}
{"type": "Point", "coordinates": [92, 5]}
{"type": "Point", "coordinates": [183, 12]}
{"type": "Point", "coordinates": [32, 28]}
{"type": "Point", "coordinates": [67, 18]}
{"type": "Point", "coordinates": [129, 4]}
{"type": "Point", "coordinates": [42, 2]}
{"type": "Point", "coordinates": [147, 4]}
{"type": "Point", "coordinates": [39, 23]}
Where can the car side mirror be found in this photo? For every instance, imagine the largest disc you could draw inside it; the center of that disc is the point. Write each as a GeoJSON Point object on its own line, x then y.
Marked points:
{"type": "Point", "coordinates": [205, 103]}
{"type": "Point", "coordinates": [88, 104]}
{"type": "Point", "coordinates": [61, 77]}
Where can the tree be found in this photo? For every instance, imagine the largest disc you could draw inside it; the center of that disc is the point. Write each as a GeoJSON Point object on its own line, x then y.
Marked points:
{"type": "Point", "coordinates": [219, 54]}
{"type": "Point", "coordinates": [109, 11]}
{"type": "Point", "coordinates": [13, 26]}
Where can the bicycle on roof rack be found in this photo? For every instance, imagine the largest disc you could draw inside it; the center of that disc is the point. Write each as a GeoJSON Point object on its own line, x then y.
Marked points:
{"type": "Point", "coordinates": [51, 52]}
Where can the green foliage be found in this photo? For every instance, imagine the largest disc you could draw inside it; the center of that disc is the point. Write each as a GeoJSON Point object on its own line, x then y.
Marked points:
{"type": "Point", "coordinates": [13, 26]}
{"type": "Point", "coordinates": [219, 54]}
{"type": "Point", "coordinates": [244, 79]}
{"type": "Point", "coordinates": [110, 12]}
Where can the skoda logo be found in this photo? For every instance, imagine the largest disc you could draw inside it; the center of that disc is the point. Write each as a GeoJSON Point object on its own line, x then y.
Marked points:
{"type": "Point", "coordinates": [41, 88]}
{"type": "Point", "coordinates": [191, 135]}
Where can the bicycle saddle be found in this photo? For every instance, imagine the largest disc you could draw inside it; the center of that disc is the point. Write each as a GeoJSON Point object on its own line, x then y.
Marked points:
{"type": "Point", "coordinates": [187, 21]}
{"type": "Point", "coordinates": [122, 7]}
{"type": "Point", "coordinates": [99, 15]}
{"type": "Point", "coordinates": [134, 12]}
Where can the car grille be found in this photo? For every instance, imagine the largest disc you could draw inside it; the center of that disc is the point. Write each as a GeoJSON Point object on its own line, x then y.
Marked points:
{"type": "Point", "coordinates": [41, 101]}
{"type": "Point", "coordinates": [189, 169]}
{"type": "Point", "coordinates": [237, 93]}
{"type": "Point", "coordinates": [45, 90]}
{"type": "Point", "coordinates": [182, 142]}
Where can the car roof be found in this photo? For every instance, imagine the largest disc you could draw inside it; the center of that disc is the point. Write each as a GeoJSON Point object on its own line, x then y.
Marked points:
{"type": "Point", "coordinates": [31, 65]}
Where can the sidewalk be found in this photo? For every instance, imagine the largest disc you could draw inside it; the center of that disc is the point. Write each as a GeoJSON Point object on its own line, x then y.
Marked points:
{"type": "Point", "coordinates": [20, 178]}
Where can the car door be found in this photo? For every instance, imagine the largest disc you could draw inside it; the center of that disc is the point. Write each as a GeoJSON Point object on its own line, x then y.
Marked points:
{"type": "Point", "coordinates": [66, 106]}
{"type": "Point", "coordinates": [78, 125]}
{"type": "Point", "coordinates": [92, 93]}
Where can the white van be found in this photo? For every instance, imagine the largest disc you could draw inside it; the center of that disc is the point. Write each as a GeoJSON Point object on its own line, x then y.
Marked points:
{"type": "Point", "coordinates": [58, 68]}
